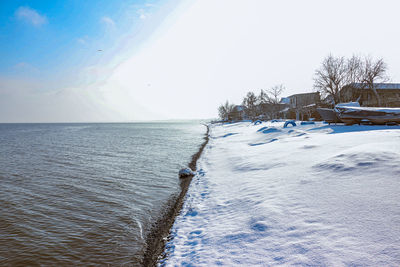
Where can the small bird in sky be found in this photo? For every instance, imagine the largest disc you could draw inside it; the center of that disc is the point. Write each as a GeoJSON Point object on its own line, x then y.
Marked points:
{"type": "Point", "coordinates": [100, 50]}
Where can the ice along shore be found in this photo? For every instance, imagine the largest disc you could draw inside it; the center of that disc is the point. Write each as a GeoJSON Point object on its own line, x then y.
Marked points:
{"type": "Point", "coordinates": [326, 195]}
{"type": "Point", "coordinates": [160, 231]}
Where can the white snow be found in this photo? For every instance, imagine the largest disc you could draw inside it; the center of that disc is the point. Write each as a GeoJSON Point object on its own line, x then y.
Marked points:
{"type": "Point", "coordinates": [307, 195]}
{"type": "Point", "coordinates": [377, 109]}
{"type": "Point", "coordinates": [348, 104]}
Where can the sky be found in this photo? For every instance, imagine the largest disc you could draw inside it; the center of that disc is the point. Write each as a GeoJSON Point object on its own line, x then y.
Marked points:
{"type": "Point", "coordinates": [121, 61]}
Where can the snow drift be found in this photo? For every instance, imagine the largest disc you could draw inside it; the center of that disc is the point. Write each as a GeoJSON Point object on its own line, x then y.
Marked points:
{"type": "Point", "coordinates": [307, 195]}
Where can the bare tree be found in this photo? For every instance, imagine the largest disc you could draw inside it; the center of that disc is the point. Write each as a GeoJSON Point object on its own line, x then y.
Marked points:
{"type": "Point", "coordinates": [330, 78]}
{"type": "Point", "coordinates": [262, 98]}
{"type": "Point", "coordinates": [262, 103]}
{"type": "Point", "coordinates": [250, 103]}
{"type": "Point", "coordinates": [268, 101]}
{"type": "Point", "coordinates": [337, 72]}
{"type": "Point", "coordinates": [225, 111]}
{"type": "Point", "coordinates": [274, 98]}
{"type": "Point", "coordinates": [354, 77]}
{"type": "Point", "coordinates": [354, 67]}
{"type": "Point", "coordinates": [373, 71]}
{"type": "Point", "coordinates": [275, 93]}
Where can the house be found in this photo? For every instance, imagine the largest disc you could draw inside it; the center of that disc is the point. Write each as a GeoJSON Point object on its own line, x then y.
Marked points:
{"type": "Point", "coordinates": [269, 111]}
{"type": "Point", "coordinates": [238, 113]}
{"type": "Point", "coordinates": [301, 100]}
{"type": "Point", "coordinates": [302, 106]}
{"type": "Point", "coordinates": [389, 94]}
{"type": "Point", "coordinates": [285, 100]}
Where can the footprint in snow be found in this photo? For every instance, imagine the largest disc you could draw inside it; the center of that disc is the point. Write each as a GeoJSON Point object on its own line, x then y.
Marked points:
{"type": "Point", "coordinates": [259, 227]}
{"type": "Point", "coordinates": [191, 213]}
{"type": "Point", "coordinates": [201, 172]}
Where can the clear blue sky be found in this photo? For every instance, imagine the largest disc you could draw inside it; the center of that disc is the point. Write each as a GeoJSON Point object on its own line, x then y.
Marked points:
{"type": "Point", "coordinates": [53, 35]}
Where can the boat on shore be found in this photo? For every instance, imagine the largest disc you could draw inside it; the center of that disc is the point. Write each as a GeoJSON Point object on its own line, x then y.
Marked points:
{"type": "Point", "coordinates": [353, 113]}
{"type": "Point", "coordinates": [328, 115]}
{"type": "Point", "coordinates": [372, 115]}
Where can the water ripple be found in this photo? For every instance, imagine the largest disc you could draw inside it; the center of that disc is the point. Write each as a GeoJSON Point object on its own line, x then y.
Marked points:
{"type": "Point", "coordinates": [87, 194]}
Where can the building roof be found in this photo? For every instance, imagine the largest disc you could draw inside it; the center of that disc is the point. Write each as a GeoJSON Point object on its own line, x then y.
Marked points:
{"type": "Point", "coordinates": [379, 86]}
{"type": "Point", "coordinates": [303, 94]}
{"type": "Point", "coordinates": [239, 107]}
{"type": "Point", "coordinates": [285, 100]}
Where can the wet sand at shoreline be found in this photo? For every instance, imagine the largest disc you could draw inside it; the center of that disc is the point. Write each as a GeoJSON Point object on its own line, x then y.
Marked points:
{"type": "Point", "coordinates": [160, 231]}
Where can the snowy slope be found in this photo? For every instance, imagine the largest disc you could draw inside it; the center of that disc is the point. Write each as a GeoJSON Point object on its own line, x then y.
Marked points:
{"type": "Point", "coordinates": [308, 195]}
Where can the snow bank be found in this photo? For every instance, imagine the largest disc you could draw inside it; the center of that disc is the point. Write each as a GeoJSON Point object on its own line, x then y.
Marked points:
{"type": "Point", "coordinates": [308, 195]}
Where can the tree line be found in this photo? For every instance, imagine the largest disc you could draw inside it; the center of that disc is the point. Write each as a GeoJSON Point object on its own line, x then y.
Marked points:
{"type": "Point", "coordinates": [330, 78]}
{"type": "Point", "coordinates": [265, 104]}
{"type": "Point", "coordinates": [338, 72]}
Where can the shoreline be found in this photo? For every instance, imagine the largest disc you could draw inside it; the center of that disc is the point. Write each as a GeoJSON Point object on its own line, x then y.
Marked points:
{"type": "Point", "coordinates": [313, 194]}
{"type": "Point", "coordinates": [159, 232]}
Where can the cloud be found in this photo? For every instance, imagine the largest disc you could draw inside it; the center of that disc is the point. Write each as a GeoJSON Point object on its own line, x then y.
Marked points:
{"type": "Point", "coordinates": [30, 15]}
{"type": "Point", "coordinates": [142, 13]}
{"type": "Point", "coordinates": [28, 100]}
{"type": "Point", "coordinates": [25, 68]}
{"type": "Point", "coordinates": [108, 21]}
{"type": "Point", "coordinates": [82, 40]}
{"type": "Point", "coordinates": [21, 65]}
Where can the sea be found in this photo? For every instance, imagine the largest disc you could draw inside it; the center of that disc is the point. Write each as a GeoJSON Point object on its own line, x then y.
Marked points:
{"type": "Point", "coordinates": [87, 193]}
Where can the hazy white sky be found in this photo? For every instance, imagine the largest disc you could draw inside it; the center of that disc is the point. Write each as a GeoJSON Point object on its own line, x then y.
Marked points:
{"type": "Point", "coordinates": [185, 58]}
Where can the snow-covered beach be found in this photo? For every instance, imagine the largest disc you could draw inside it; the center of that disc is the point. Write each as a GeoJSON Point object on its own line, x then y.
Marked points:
{"type": "Point", "coordinates": [321, 195]}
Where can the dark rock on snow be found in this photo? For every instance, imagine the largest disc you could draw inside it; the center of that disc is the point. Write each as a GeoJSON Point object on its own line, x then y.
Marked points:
{"type": "Point", "coordinates": [186, 172]}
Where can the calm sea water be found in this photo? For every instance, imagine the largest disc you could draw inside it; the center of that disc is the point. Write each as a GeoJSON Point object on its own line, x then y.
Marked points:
{"type": "Point", "coordinates": [83, 194]}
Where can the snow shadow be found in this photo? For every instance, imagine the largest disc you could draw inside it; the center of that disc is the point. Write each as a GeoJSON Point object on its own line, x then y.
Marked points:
{"type": "Point", "coordinates": [248, 167]}
{"type": "Point", "coordinates": [234, 123]}
{"type": "Point", "coordinates": [296, 133]}
{"type": "Point", "coordinates": [369, 162]}
{"type": "Point", "coordinates": [256, 228]}
{"type": "Point", "coordinates": [263, 143]}
{"type": "Point", "coordinates": [266, 130]}
{"type": "Point", "coordinates": [226, 135]}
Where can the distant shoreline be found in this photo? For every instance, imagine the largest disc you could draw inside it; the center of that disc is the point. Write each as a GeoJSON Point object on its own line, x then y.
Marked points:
{"type": "Point", "coordinates": [159, 233]}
